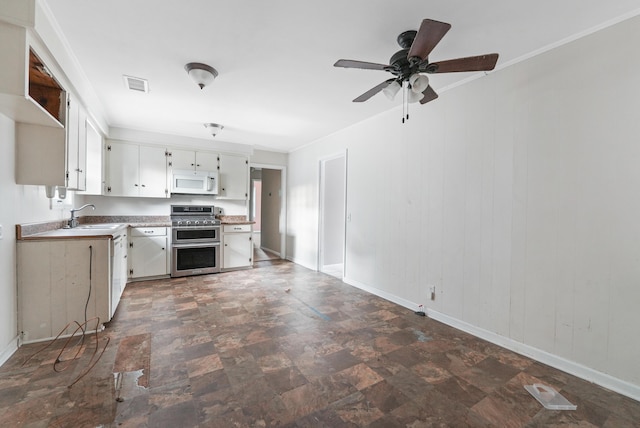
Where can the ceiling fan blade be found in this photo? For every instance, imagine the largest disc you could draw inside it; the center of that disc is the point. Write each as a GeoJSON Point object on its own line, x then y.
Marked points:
{"type": "Point", "coordinates": [371, 92]}
{"type": "Point", "coordinates": [472, 63]}
{"type": "Point", "coordinates": [349, 63]}
{"type": "Point", "coordinates": [429, 35]}
{"type": "Point", "coordinates": [429, 95]}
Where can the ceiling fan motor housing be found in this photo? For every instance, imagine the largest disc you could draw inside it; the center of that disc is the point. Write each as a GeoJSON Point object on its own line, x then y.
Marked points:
{"type": "Point", "coordinates": [403, 67]}
{"type": "Point", "coordinates": [405, 39]}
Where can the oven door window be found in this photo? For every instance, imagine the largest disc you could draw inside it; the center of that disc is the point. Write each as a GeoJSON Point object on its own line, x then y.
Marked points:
{"type": "Point", "coordinates": [191, 234]}
{"type": "Point", "coordinates": [192, 257]}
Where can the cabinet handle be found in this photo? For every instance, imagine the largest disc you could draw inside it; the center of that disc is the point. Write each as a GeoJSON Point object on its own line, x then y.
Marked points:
{"type": "Point", "coordinates": [136, 185]}
{"type": "Point", "coordinates": [162, 248]}
{"type": "Point", "coordinates": [144, 185]}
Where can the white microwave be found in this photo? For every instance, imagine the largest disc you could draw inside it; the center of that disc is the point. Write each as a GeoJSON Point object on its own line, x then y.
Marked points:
{"type": "Point", "coordinates": [195, 182]}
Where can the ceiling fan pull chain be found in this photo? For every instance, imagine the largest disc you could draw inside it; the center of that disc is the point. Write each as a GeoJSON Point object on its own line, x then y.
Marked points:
{"type": "Point", "coordinates": [404, 100]}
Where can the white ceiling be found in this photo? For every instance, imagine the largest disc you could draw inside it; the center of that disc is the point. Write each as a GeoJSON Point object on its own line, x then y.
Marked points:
{"type": "Point", "coordinates": [277, 88]}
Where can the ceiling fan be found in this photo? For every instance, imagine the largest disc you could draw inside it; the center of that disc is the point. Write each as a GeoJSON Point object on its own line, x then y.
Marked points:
{"type": "Point", "coordinates": [410, 65]}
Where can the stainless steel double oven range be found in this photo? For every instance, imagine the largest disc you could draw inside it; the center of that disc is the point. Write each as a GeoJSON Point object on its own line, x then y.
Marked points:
{"type": "Point", "coordinates": [195, 240]}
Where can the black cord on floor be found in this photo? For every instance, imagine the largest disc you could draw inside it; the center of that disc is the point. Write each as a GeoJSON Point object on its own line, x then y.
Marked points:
{"type": "Point", "coordinates": [90, 269]}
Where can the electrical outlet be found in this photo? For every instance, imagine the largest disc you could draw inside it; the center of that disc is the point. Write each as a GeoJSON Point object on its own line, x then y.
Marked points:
{"type": "Point", "coordinates": [433, 292]}
{"type": "Point", "coordinates": [0, 231]}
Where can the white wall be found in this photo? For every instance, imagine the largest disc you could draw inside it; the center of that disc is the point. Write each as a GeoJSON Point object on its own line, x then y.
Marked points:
{"type": "Point", "coordinates": [516, 195]}
{"type": "Point", "coordinates": [20, 204]}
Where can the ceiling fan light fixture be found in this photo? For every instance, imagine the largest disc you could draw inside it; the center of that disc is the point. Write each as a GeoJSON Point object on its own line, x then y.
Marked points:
{"type": "Point", "coordinates": [391, 90]}
{"type": "Point", "coordinates": [201, 74]}
{"type": "Point", "coordinates": [213, 128]}
{"type": "Point", "coordinates": [418, 82]}
{"type": "Point", "coordinates": [414, 97]}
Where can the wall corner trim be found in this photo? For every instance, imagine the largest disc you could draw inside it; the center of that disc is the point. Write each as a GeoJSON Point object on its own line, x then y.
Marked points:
{"type": "Point", "coordinates": [9, 350]}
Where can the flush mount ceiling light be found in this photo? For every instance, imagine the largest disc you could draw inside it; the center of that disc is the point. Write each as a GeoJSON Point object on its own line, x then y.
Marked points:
{"type": "Point", "coordinates": [201, 74]}
{"type": "Point", "coordinates": [213, 128]}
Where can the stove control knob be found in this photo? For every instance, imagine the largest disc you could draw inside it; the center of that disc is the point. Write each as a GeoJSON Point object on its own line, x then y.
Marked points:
{"type": "Point", "coordinates": [196, 222]}
{"type": "Point", "coordinates": [188, 222]}
{"type": "Point", "coordinates": [205, 222]}
{"type": "Point", "coordinates": [179, 222]}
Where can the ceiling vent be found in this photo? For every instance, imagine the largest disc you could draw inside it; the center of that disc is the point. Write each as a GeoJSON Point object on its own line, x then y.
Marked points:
{"type": "Point", "coordinates": [136, 84]}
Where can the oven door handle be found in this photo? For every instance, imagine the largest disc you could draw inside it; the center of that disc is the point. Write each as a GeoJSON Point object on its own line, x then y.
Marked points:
{"type": "Point", "coordinates": [195, 244]}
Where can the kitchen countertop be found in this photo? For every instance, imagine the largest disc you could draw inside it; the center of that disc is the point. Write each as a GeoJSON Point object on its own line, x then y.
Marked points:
{"type": "Point", "coordinates": [90, 227]}
{"type": "Point", "coordinates": [234, 219]}
{"type": "Point", "coordinates": [95, 231]}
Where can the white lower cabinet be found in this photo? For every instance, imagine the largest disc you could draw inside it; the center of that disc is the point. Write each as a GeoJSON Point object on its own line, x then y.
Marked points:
{"type": "Point", "coordinates": [237, 246]}
{"type": "Point", "coordinates": [148, 252]}
{"type": "Point", "coordinates": [56, 280]}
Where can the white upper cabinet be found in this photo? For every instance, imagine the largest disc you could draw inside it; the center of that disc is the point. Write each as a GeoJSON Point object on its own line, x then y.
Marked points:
{"type": "Point", "coordinates": [94, 177]}
{"type": "Point", "coordinates": [190, 160]}
{"type": "Point", "coordinates": [29, 90]}
{"type": "Point", "coordinates": [136, 170]}
{"type": "Point", "coordinates": [76, 145]}
{"type": "Point", "coordinates": [233, 176]}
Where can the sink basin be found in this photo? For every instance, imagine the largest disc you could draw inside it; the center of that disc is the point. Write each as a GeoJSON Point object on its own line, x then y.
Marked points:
{"type": "Point", "coordinates": [98, 226]}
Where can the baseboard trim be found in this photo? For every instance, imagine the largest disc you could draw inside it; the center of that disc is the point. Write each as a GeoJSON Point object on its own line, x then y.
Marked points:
{"type": "Point", "coordinates": [268, 250]}
{"type": "Point", "coordinates": [381, 293]}
{"type": "Point", "coordinates": [9, 350]}
{"type": "Point", "coordinates": [607, 381]}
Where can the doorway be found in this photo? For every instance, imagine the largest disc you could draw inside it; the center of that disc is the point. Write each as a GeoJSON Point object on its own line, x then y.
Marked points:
{"type": "Point", "coordinates": [266, 210]}
{"type": "Point", "coordinates": [333, 172]}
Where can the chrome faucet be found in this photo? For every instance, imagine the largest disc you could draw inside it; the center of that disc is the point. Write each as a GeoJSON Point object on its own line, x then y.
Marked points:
{"type": "Point", "coordinates": [73, 222]}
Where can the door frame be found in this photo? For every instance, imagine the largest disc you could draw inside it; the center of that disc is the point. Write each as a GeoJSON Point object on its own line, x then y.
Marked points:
{"type": "Point", "coordinates": [282, 221]}
{"type": "Point", "coordinates": [321, 207]}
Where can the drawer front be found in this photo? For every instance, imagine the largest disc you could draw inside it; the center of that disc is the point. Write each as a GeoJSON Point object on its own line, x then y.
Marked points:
{"type": "Point", "coordinates": [230, 228]}
{"type": "Point", "coordinates": [148, 231]}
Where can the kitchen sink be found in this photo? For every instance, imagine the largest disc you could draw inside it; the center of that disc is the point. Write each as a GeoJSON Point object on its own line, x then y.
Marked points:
{"type": "Point", "coordinates": [109, 226]}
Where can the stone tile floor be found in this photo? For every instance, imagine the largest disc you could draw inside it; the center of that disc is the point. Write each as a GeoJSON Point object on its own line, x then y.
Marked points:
{"type": "Point", "coordinates": [239, 350]}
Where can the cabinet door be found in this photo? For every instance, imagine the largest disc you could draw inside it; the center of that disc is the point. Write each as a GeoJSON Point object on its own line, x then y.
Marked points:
{"type": "Point", "coordinates": [153, 172]}
{"type": "Point", "coordinates": [237, 250]}
{"type": "Point", "coordinates": [76, 145]}
{"type": "Point", "coordinates": [148, 256]}
{"type": "Point", "coordinates": [183, 159]}
{"type": "Point", "coordinates": [122, 169]}
{"type": "Point", "coordinates": [93, 167]}
{"type": "Point", "coordinates": [119, 271]}
{"type": "Point", "coordinates": [73, 111]}
{"type": "Point", "coordinates": [234, 177]}
{"type": "Point", "coordinates": [81, 167]}
{"type": "Point", "coordinates": [206, 161]}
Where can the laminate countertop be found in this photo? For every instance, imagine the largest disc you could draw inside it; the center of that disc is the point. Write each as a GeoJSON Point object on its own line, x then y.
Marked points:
{"type": "Point", "coordinates": [90, 227]}
{"type": "Point", "coordinates": [234, 219]}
